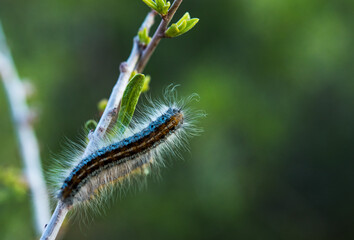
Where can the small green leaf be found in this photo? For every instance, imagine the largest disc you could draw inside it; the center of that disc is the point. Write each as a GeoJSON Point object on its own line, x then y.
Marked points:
{"type": "Point", "coordinates": [160, 3]}
{"type": "Point", "coordinates": [146, 86]}
{"type": "Point", "coordinates": [133, 74]}
{"type": "Point", "coordinates": [166, 8]}
{"type": "Point", "coordinates": [182, 26]}
{"type": "Point", "coordinates": [186, 16]}
{"type": "Point", "coordinates": [90, 125]}
{"type": "Point", "coordinates": [144, 37]}
{"type": "Point", "coordinates": [150, 4]}
{"type": "Point", "coordinates": [172, 31]}
{"type": "Point", "coordinates": [130, 99]}
{"type": "Point", "coordinates": [190, 24]}
{"type": "Point", "coordinates": [160, 6]}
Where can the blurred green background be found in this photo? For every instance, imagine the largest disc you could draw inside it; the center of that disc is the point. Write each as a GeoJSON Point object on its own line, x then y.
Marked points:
{"type": "Point", "coordinates": [275, 77]}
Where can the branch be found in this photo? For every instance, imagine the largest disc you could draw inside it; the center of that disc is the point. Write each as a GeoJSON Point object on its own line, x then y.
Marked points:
{"type": "Point", "coordinates": [53, 227]}
{"type": "Point", "coordinates": [107, 118]}
{"type": "Point", "coordinates": [126, 69]}
{"type": "Point", "coordinates": [137, 61]}
{"type": "Point", "coordinates": [28, 144]}
{"type": "Point", "coordinates": [159, 34]}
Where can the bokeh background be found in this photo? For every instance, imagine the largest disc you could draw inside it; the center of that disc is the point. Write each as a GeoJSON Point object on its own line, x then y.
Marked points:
{"type": "Point", "coordinates": [275, 77]}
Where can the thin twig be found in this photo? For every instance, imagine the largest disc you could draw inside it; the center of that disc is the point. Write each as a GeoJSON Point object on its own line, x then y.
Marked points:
{"type": "Point", "coordinates": [159, 34]}
{"type": "Point", "coordinates": [136, 58]}
{"type": "Point", "coordinates": [21, 114]}
{"type": "Point", "coordinates": [126, 69]}
{"type": "Point", "coordinates": [53, 227]}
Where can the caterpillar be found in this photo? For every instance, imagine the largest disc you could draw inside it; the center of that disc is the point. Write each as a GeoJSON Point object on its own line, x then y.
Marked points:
{"type": "Point", "coordinates": [164, 127]}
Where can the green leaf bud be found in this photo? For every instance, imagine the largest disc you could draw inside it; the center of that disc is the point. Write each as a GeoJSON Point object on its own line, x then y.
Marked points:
{"type": "Point", "coordinates": [144, 37]}
{"type": "Point", "coordinates": [101, 106]}
{"type": "Point", "coordinates": [160, 6]}
{"type": "Point", "coordinates": [182, 26]}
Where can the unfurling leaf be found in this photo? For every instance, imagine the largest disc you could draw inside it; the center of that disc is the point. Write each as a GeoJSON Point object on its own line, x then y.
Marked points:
{"type": "Point", "coordinates": [182, 26]}
{"type": "Point", "coordinates": [130, 99]}
{"type": "Point", "coordinates": [160, 6]}
{"type": "Point", "coordinates": [144, 37]}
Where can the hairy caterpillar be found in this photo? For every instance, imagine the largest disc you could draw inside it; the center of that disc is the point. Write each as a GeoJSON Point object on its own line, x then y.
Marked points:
{"type": "Point", "coordinates": [163, 129]}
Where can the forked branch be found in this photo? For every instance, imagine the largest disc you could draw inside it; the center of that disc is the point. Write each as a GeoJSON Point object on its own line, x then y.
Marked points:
{"type": "Point", "coordinates": [137, 61]}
